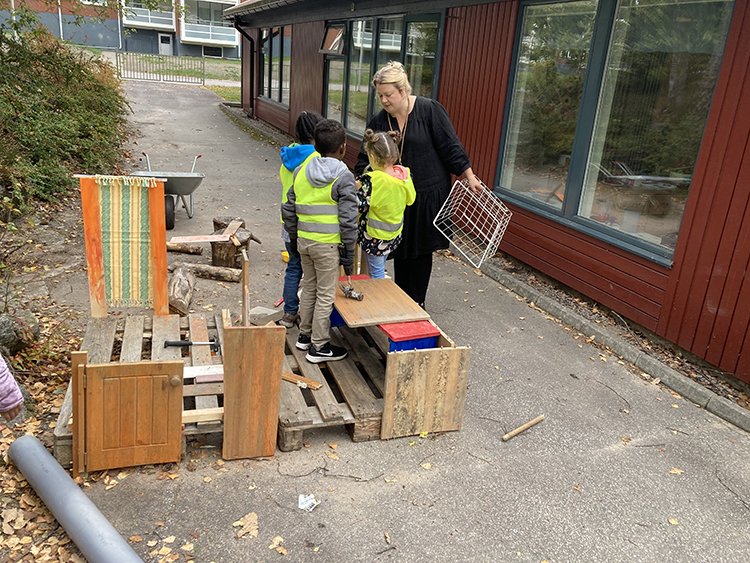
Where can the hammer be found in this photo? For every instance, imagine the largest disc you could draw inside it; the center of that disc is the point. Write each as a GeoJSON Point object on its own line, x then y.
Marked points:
{"type": "Point", "coordinates": [213, 343]}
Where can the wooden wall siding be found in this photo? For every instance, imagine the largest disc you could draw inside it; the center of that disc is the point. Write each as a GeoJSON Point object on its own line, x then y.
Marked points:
{"type": "Point", "coordinates": [308, 67]}
{"type": "Point", "coordinates": [274, 114]}
{"type": "Point", "coordinates": [477, 56]}
{"type": "Point", "coordinates": [707, 304]}
{"type": "Point", "coordinates": [632, 286]}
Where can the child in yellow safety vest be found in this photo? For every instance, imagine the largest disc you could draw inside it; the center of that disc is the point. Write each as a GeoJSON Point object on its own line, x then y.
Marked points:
{"type": "Point", "coordinates": [383, 194]}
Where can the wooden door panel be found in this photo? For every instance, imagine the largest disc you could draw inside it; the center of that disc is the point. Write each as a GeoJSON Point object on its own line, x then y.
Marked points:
{"type": "Point", "coordinates": [133, 414]}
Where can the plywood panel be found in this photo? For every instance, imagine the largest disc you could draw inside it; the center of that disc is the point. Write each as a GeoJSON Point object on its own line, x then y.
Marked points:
{"type": "Point", "coordinates": [252, 378]}
{"type": "Point", "coordinates": [425, 391]}
{"type": "Point", "coordinates": [384, 303]}
{"type": "Point", "coordinates": [133, 414]}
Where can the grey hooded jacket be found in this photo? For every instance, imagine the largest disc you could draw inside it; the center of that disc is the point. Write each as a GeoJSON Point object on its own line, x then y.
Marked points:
{"type": "Point", "coordinates": [320, 172]}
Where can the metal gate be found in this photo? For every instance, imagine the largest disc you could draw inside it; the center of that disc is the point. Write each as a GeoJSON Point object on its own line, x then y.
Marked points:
{"type": "Point", "coordinates": [161, 68]}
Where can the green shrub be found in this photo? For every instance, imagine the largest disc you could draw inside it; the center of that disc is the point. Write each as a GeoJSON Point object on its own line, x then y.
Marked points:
{"type": "Point", "coordinates": [61, 113]}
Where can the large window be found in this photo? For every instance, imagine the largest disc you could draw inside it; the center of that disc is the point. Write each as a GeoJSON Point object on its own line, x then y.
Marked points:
{"type": "Point", "coordinates": [356, 49]}
{"type": "Point", "coordinates": [275, 63]}
{"type": "Point", "coordinates": [607, 111]}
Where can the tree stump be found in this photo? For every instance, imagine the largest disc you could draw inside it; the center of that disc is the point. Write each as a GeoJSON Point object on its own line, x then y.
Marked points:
{"type": "Point", "coordinates": [228, 254]}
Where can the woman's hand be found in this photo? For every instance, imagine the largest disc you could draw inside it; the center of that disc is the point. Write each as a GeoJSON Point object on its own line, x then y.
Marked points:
{"type": "Point", "coordinates": [12, 413]}
{"type": "Point", "coordinates": [474, 184]}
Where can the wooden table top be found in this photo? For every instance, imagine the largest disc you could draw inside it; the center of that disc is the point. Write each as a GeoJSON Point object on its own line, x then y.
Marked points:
{"type": "Point", "coordinates": [384, 303]}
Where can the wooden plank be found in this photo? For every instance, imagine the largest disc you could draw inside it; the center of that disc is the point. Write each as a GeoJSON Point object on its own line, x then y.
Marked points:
{"type": "Point", "coordinates": [252, 378]}
{"type": "Point", "coordinates": [165, 328]}
{"type": "Point", "coordinates": [99, 339]}
{"type": "Point", "coordinates": [293, 410]}
{"type": "Point", "coordinates": [215, 414]}
{"type": "Point", "coordinates": [297, 379]}
{"type": "Point", "coordinates": [201, 355]}
{"type": "Point", "coordinates": [384, 303]}
{"type": "Point", "coordinates": [93, 236]}
{"type": "Point", "coordinates": [158, 226]}
{"type": "Point", "coordinates": [200, 238]}
{"type": "Point", "coordinates": [133, 414]}
{"type": "Point", "coordinates": [425, 391]}
{"type": "Point", "coordinates": [132, 339]}
{"type": "Point", "coordinates": [324, 398]}
{"type": "Point", "coordinates": [366, 356]}
{"type": "Point", "coordinates": [352, 385]}
{"type": "Point", "coordinates": [78, 394]}
{"type": "Point", "coordinates": [204, 370]}
{"type": "Point", "coordinates": [232, 228]}
{"type": "Point", "coordinates": [198, 389]}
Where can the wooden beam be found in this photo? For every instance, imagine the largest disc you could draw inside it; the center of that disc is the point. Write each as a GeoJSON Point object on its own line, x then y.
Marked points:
{"type": "Point", "coordinates": [203, 415]}
{"type": "Point", "coordinates": [158, 225]}
{"type": "Point", "coordinates": [94, 258]}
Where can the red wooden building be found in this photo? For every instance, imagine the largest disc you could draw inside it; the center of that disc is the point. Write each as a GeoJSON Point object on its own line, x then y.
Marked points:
{"type": "Point", "coordinates": [617, 132]}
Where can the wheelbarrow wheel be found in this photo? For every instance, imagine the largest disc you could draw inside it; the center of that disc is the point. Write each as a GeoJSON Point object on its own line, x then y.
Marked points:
{"type": "Point", "coordinates": [169, 211]}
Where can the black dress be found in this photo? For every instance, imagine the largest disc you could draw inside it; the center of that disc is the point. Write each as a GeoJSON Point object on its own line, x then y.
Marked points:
{"type": "Point", "coordinates": [432, 152]}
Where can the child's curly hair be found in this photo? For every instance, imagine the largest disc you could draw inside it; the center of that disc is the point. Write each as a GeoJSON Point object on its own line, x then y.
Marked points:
{"type": "Point", "coordinates": [382, 147]}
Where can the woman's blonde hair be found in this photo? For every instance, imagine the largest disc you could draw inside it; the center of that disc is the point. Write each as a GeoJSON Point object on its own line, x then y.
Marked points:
{"type": "Point", "coordinates": [382, 147]}
{"type": "Point", "coordinates": [393, 73]}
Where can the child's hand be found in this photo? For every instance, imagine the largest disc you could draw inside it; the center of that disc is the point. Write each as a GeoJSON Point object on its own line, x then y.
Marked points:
{"type": "Point", "coordinates": [12, 413]}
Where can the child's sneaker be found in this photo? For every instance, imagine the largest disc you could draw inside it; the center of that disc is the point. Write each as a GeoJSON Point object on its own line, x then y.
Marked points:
{"type": "Point", "coordinates": [303, 341]}
{"type": "Point", "coordinates": [289, 319]}
{"type": "Point", "coordinates": [327, 353]}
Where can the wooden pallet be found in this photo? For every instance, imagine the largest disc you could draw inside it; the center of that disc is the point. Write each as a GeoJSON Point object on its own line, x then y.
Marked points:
{"type": "Point", "coordinates": [351, 394]}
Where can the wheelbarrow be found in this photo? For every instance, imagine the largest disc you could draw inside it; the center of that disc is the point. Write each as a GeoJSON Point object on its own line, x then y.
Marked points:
{"type": "Point", "coordinates": [179, 185]}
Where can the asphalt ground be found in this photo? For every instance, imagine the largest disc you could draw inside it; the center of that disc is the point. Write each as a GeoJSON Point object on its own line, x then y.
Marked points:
{"type": "Point", "coordinates": [622, 468]}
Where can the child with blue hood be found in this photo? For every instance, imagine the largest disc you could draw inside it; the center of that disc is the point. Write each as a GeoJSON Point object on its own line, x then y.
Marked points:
{"type": "Point", "coordinates": [292, 157]}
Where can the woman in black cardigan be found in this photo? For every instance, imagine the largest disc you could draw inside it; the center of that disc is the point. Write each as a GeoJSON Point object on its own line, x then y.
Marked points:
{"type": "Point", "coordinates": [430, 148]}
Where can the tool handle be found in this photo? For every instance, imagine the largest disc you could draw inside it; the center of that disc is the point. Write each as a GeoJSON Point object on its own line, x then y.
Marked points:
{"type": "Point", "coordinates": [168, 343]}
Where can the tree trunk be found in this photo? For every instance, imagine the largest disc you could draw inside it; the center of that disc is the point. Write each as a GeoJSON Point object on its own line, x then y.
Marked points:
{"type": "Point", "coordinates": [184, 248]}
{"type": "Point", "coordinates": [181, 286]}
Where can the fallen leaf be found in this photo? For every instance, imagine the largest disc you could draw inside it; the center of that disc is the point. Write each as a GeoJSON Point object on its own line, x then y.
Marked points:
{"type": "Point", "coordinates": [332, 455]}
{"type": "Point", "coordinates": [151, 543]}
{"type": "Point", "coordinates": [427, 465]}
{"type": "Point", "coordinates": [249, 523]}
{"type": "Point", "coordinates": [207, 479]}
{"type": "Point", "coordinates": [276, 542]}
{"type": "Point", "coordinates": [387, 538]}
{"type": "Point", "coordinates": [173, 476]}
{"type": "Point", "coordinates": [390, 480]}
{"type": "Point", "coordinates": [333, 446]}
{"type": "Point", "coordinates": [676, 471]}
{"type": "Point", "coordinates": [281, 550]}
{"type": "Point", "coordinates": [187, 547]}
{"type": "Point", "coordinates": [675, 406]}
{"type": "Point", "coordinates": [165, 550]}
{"type": "Point", "coordinates": [170, 539]}
{"type": "Point", "coordinates": [135, 539]}
{"type": "Point", "coordinates": [306, 444]}
{"type": "Point", "coordinates": [624, 439]}
{"type": "Point", "coordinates": [673, 521]}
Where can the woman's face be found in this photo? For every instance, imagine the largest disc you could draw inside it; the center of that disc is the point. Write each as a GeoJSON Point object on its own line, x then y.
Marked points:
{"type": "Point", "coordinates": [391, 98]}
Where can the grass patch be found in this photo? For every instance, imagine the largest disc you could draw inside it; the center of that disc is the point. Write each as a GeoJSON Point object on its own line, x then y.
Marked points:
{"type": "Point", "coordinates": [229, 93]}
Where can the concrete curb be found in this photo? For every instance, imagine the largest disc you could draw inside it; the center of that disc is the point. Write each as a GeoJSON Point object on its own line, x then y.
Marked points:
{"type": "Point", "coordinates": [683, 385]}
{"type": "Point", "coordinates": [254, 127]}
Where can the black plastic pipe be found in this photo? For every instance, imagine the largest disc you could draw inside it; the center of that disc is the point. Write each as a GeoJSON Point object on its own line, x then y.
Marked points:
{"type": "Point", "coordinates": [97, 539]}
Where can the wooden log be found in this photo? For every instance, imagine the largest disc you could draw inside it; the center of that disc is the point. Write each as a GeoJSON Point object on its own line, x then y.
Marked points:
{"type": "Point", "coordinates": [184, 248]}
{"type": "Point", "coordinates": [210, 272]}
{"type": "Point", "coordinates": [181, 286]}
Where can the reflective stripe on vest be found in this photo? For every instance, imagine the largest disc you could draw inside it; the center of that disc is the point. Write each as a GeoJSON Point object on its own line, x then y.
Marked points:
{"type": "Point", "coordinates": [317, 212]}
{"type": "Point", "coordinates": [287, 178]}
{"type": "Point", "coordinates": [385, 218]}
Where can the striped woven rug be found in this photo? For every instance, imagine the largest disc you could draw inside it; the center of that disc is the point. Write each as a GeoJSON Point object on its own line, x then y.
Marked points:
{"type": "Point", "coordinates": [126, 240]}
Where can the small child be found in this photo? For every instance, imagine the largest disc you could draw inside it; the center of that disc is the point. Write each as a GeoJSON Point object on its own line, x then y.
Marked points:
{"type": "Point", "coordinates": [320, 214]}
{"type": "Point", "coordinates": [11, 400]}
{"type": "Point", "coordinates": [291, 157]}
{"type": "Point", "coordinates": [383, 194]}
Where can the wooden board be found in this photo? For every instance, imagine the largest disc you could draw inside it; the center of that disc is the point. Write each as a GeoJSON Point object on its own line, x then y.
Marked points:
{"type": "Point", "coordinates": [384, 303]}
{"type": "Point", "coordinates": [252, 378]}
{"type": "Point", "coordinates": [133, 414]}
{"type": "Point", "coordinates": [99, 339]}
{"type": "Point", "coordinates": [77, 364]}
{"type": "Point", "coordinates": [132, 339]}
{"type": "Point", "coordinates": [352, 385]}
{"type": "Point", "coordinates": [165, 328]}
{"type": "Point", "coordinates": [425, 391]}
{"type": "Point", "coordinates": [323, 397]}
{"type": "Point", "coordinates": [367, 356]}
{"type": "Point", "coordinates": [93, 236]}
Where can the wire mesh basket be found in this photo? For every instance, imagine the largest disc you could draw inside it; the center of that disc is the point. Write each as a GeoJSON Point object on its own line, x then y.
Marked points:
{"type": "Point", "coordinates": [473, 223]}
